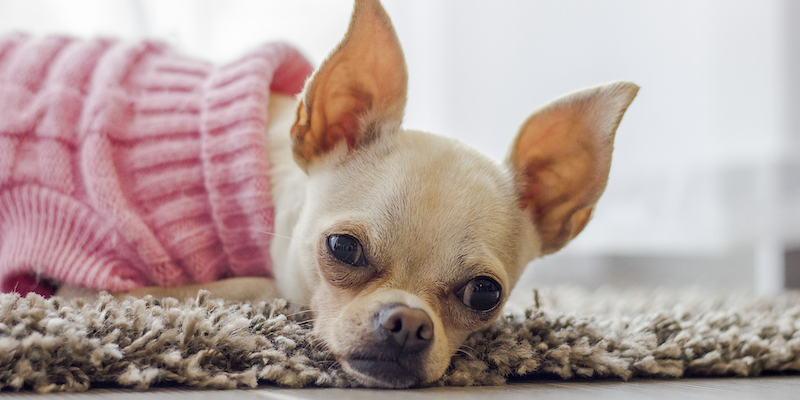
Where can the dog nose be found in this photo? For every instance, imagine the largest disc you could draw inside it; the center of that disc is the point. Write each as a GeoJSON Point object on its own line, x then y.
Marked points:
{"type": "Point", "coordinates": [410, 328]}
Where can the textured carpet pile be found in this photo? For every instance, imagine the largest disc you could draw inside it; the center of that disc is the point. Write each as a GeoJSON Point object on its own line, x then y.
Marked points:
{"type": "Point", "coordinates": [51, 345]}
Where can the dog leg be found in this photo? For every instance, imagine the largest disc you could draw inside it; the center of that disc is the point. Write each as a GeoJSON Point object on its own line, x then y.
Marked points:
{"type": "Point", "coordinates": [234, 289]}
{"type": "Point", "coordinates": [242, 289]}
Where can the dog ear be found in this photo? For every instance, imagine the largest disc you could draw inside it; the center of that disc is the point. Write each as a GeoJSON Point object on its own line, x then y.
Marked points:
{"type": "Point", "coordinates": [357, 93]}
{"type": "Point", "coordinates": [561, 159]}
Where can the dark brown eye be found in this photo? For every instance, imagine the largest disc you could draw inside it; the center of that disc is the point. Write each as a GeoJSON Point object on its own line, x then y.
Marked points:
{"type": "Point", "coordinates": [480, 294]}
{"type": "Point", "coordinates": [347, 249]}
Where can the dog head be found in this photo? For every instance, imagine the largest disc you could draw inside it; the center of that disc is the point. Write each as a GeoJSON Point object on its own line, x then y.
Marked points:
{"type": "Point", "coordinates": [413, 241]}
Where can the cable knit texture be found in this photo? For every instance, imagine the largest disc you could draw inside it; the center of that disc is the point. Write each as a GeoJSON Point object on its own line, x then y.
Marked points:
{"type": "Point", "coordinates": [125, 165]}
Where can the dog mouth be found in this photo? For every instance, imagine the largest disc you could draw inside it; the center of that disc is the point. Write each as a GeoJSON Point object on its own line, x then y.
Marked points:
{"type": "Point", "coordinates": [382, 373]}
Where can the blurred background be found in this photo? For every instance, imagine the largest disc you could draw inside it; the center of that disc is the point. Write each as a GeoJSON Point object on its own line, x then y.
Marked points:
{"type": "Point", "coordinates": [705, 184]}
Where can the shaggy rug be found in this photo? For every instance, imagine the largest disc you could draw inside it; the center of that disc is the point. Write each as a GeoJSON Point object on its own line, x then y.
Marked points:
{"type": "Point", "coordinates": [49, 345]}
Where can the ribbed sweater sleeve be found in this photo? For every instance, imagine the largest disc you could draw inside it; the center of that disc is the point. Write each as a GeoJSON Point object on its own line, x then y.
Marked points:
{"type": "Point", "coordinates": [127, 164]}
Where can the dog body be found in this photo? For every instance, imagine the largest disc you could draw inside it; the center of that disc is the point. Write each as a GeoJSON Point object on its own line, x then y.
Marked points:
{"type": "Point", "coordinates": [403, 242]}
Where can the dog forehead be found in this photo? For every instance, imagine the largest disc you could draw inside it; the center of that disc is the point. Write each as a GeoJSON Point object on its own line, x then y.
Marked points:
{"type": "Point", "coordinates": [430, 199]}
{"type": "Point", "coordinates": [418, 173]}
{"type": "Point", "coordinates": [432, 171]}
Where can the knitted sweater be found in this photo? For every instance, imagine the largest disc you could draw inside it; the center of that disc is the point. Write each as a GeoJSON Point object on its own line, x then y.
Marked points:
{"type": "Point", "coordinates": [128, 165]}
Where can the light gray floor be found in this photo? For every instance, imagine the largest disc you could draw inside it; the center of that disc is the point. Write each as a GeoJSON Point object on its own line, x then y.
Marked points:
{"type": "Point", "coordinates": [771, 388]}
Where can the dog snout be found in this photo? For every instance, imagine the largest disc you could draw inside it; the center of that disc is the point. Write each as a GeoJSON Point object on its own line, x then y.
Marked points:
{"type": "Point", "coordinates": [410, 328]}
{"type": "Point", "coordinates": [393, 354]}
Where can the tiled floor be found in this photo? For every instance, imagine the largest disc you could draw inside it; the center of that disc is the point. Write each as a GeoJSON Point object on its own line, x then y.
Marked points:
{"type": "Point", "coordinates": [766, 388]}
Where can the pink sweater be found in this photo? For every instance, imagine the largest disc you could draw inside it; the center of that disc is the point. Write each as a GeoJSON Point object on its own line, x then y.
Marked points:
{"type": "Point", "coordinates": [128, 165]}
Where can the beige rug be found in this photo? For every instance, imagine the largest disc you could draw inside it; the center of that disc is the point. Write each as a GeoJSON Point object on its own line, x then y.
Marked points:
{"type": "Point", "coordinates": [53, 345]}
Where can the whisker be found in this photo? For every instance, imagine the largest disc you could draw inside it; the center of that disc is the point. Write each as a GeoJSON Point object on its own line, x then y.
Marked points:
{"type": "Point", "coordinates": [294, 314]}
{"type": "Point", "coordinates": [320, 347]}
{"type": "Point", "coordinates": [273, 234]}
{"type": "Point", "coordinates": [306, 321]}
{"type": "Point", "coordinates": [468, 351]}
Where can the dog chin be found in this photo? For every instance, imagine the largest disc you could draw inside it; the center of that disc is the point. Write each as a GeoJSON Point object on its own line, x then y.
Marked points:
{"type": "Point", "coordinates": [386, 374]}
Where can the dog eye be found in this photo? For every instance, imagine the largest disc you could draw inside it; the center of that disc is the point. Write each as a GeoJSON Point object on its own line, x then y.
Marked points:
{"type": "Point", "coordinates": [480, 294]}
{"type": "Point", "coordinates": [347, 249]}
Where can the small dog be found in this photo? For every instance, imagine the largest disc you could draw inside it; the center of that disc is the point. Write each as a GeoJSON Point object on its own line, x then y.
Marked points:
{"type": "Point", "coordinates": [403, 243]}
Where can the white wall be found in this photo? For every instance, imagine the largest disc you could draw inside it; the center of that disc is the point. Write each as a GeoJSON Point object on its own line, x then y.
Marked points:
{"type": "Point", "coordinates": [712, 78]}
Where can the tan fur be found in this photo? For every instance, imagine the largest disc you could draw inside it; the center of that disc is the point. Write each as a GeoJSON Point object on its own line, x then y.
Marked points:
{"type": "Point", "coordinates": [431, 216]}
{"type": "Point", "coordinates": [351, 83]}
{"type": "Point", "coordinates": [430, 213]}
{"type": "Point", "coordinates": [562, 156]}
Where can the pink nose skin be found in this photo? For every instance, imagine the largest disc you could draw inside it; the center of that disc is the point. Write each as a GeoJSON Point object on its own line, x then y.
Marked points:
{"type": "Point", "coordinates": [410, 328]}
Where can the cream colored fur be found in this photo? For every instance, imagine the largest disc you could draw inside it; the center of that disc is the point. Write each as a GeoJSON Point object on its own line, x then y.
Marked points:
{"type": "Point", "coordinates": [430, 213]}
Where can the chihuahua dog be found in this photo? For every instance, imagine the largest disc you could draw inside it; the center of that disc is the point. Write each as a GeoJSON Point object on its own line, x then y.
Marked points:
{"type": "Point", "coordinates": [402, 242]}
